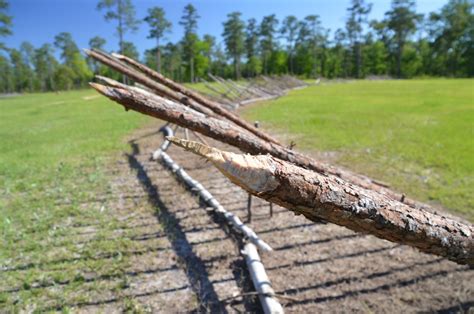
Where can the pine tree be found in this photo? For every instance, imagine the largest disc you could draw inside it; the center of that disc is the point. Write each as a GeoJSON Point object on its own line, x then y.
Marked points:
{"type": "Point", "coordinates": [268, 29]}
{"type": "Point", "coordinates": [159, 26]}
{"type": "Point", "coordinates": [124, 12]}
{"type": "Point", "coordinates": [234, 39]}
{"type": "Point", "coordinates": [401, 20]}
{"type": "Point", "coordinates": [358, 12]}
{"type": "Point", "coordinates": [289, 29]}
{"type": "Point", "coordinates": [190, 40]}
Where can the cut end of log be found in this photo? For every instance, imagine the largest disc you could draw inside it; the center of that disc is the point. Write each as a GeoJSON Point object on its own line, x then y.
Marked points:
{"type": "Point", "coordinates": [118, 55]}
{"type": "Point", "coordinates": [210, 153]}
{"type": "Point", "coordinates": [253, 173]}
{"type": "Point", "coordinates": [110, 92]}
{"type": "Point", "coordinates": [100, 88]}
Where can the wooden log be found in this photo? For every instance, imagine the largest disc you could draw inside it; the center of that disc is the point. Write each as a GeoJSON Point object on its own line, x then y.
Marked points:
{"type": "Point", "coordinates": [215, 107]}
{"type": "Point", "coordinates": [228, 133]}
{"type": "Point", "coordinates": [215, 90]}
{"type": "Point", "coordinates": [329, 198]}
{"type": "Point", "coordinates": [260, 281]}
{"type": "Point", "coordinates": [194, 105]}
{"type": "Point", "coordinates": [206, 196]}
{"type": "Point", "coordinates": [221, 82]}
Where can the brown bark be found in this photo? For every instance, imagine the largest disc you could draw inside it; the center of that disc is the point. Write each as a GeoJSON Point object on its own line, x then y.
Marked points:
{"type": "Point", "coordinates": [238, 137]}
{"type": "Point", "coordinates": [140, 78]}
{"type": "Point", "coordinates": [327, 197]}
{"type": "Point", "coordinates": [215, 107]}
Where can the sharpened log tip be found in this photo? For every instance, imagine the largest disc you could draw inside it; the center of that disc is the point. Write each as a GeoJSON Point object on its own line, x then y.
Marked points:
{"type": "Point", "coordinates": [100, 88]}
{"type": "Point", "coordinates": [252, 173]}
{"type": "Point", "coordinates": [194, 147]}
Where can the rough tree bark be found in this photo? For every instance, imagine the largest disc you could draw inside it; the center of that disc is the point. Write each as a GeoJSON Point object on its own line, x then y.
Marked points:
{"type": "Point", "coordinates": [215, 107]}
{"type": "Point", "coordinates": [236, 136]}
{"type": "Point", "coordinates": [328, 197]}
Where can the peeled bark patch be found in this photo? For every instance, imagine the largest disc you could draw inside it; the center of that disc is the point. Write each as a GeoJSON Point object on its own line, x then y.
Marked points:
{"type": "Point", "coordinates": [324, 196]}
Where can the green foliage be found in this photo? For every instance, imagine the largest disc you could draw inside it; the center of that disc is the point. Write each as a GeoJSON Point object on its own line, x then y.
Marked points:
{"type": "Point", "coordinates": [64, 77]}
{"type": "Point", "coordinates": [190, 40]}
{"type": "Point", "coordinates": [158, 23]}
{"type": "Point", "coordinates": [159, 26]}
{"type": "Point", "coordinates": [375, 62]}
{"type": "Point", "coordinates": [21, 71]}
{"type": "Point", "coordinates": [411, 62]}
{"type": "Point", "coordinates": [289, 30]}
{"type": "Point", "coordinates": [53, 159]}
{"type": "Point", "coordinates": [234, 39]}
{"type": "Point", "coordinates": [45, 65]}
{"type": "Point", "coordinates": [123, 12]}
{"type": "Point", "coordinates": [130, 50]}
{"type": "Point", "coordinates": [402, 21]}
{"type": "Point", "coordinates": [98, 43]}
{"type": "Point", "coordinates": [268, 29]}
{"type": "Point", "coordinates": [415, 135]}
{"type": "Point", "coordinates": [358, 12]}
{"type": "Point", "coordinates": [452, 31]}
{"type": "Point", "coordinates": [5, 20]}
{"type": "Point", "coordinates": [444, 47]}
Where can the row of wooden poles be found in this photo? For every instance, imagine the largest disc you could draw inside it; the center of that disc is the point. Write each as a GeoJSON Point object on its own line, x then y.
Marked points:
{"type": "Point", "coordinates": [233, 94]}
{"type": "Point", "coordinates": [283, 176]}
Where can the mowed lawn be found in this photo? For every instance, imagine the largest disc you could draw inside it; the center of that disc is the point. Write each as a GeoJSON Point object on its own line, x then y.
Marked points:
{"type": "Point", "coordinates": [417, 135]}
{"type": "Point", "coordinates": [52, 144]}
{"type": "Point", "coordinates": [54, 154]}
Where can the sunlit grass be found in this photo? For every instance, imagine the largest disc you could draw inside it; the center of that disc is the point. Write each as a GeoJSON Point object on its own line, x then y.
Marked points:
{"type": "Point", "coordinates": [418, 135]}
{"type": "Point", "coordinates": [54, 151]}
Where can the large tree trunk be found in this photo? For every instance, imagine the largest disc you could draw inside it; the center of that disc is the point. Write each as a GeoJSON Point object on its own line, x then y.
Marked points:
{"type": "Point", "coordinates": [327, 197]}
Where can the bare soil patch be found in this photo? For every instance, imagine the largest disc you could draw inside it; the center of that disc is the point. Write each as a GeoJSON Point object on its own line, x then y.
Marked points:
{"type": "Point", "coordinates": [181, 258]}
{"type": "Point", "coordinates": [317, 267]}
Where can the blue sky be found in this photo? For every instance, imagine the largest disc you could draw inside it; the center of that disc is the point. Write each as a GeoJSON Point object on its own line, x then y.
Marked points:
{"type": "Point", "coordinates": [38, 21]}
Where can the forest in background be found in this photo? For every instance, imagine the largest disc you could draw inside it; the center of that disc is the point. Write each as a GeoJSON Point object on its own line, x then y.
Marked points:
{"type": "Point", "coordinates": [403, 44]}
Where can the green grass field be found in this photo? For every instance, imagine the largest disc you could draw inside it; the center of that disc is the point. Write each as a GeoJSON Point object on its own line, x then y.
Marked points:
{"type": "Point", "coordinates": [54, 144]}
{"type": "Point", "coordinates": [55, 149]}
{"type": "Point", "coordinates": [417, 135]}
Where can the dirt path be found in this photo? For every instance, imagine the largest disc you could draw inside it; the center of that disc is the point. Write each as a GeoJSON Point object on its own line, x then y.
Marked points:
{"type": "Point", "coordinates": [159, 250]}
{"type": "Point", "coordinates": [318, 267]}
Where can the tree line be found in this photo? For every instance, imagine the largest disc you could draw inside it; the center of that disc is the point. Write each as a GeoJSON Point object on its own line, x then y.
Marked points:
{"type": "Point", "coordinates": [402, 44]}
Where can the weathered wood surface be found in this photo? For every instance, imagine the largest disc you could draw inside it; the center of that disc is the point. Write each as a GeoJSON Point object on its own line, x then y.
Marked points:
{"type": "Point", "coordinates": [233, 220]}
{"type": "Point", "coordinates": [229, 133]}
{"type": "Point", "coordinates": [318, 196]}
{"type": "Point", "coordinates": [196, 97]}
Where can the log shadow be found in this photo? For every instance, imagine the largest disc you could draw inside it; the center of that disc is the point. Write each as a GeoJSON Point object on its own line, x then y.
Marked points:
{"type": "Point", "coordinates": [384, 287]}
{"type": "Point", "coordinates": [239, 267]}
{"type": "Point", "coordinates": [193, 266]}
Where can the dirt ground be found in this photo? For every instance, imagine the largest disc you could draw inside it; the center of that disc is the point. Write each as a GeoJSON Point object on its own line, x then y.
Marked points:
{"type": "Point", "coordinates": [314, 267]}
{"type": "Point", "coordinates": [182, 258]}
